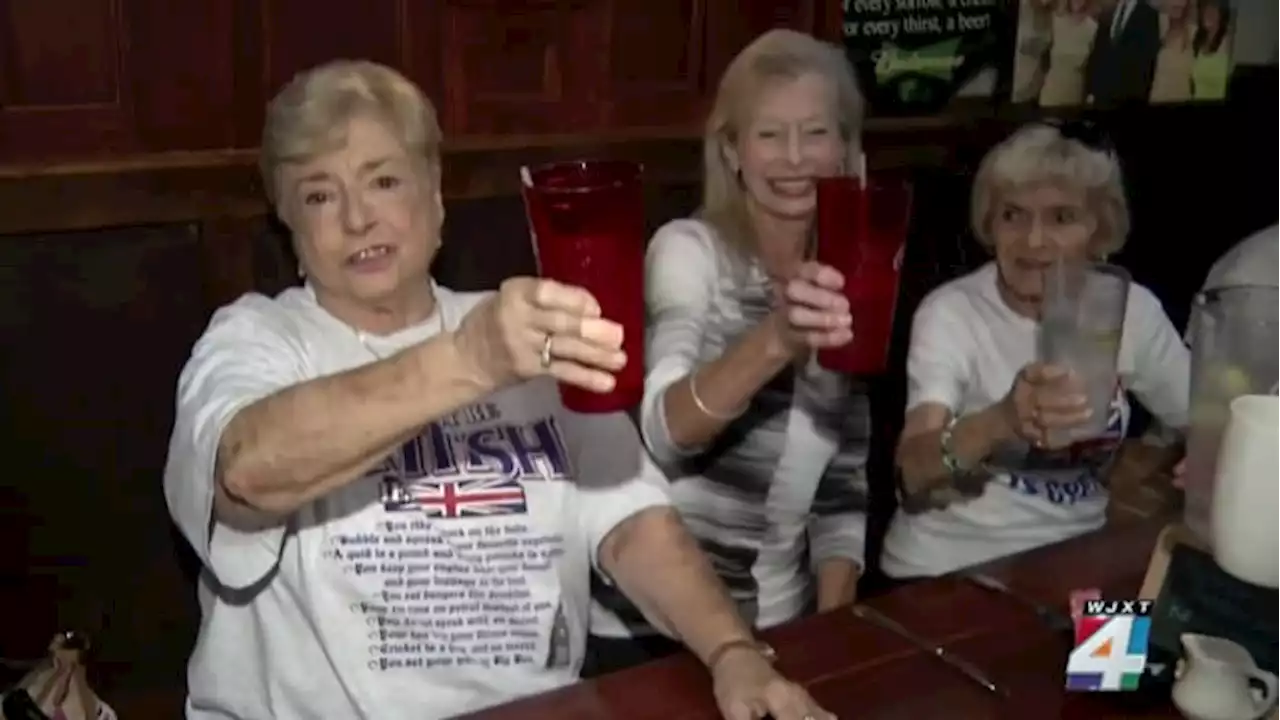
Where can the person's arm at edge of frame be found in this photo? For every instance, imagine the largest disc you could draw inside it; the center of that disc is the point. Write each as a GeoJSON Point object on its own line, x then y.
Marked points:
{"type": "Point", "coordinates": [659, 566]}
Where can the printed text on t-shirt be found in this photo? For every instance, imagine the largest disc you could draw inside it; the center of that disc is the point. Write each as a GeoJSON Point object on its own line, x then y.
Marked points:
{"type": "Point", "coordinates": [1073, 474]}
{"type": "Point", "coordinates": [455, 574]}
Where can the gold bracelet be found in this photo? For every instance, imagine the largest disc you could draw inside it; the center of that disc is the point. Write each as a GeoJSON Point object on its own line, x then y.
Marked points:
{"type": "Point", "coordinates": [760, 648]}
{"type": "Point", "coordinates": [693, 391]}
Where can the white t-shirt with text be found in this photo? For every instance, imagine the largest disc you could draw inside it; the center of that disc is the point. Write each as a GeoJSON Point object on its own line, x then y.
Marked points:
{"type": "Point", "coordinates": [452, 577]}
{"type": "Point", "coordinates": [967, 347]}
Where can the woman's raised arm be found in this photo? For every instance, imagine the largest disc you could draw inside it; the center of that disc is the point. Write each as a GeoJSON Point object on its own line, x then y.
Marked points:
{"type": "Point", "coordinates": [303, 441]}
{"type": "Point", "coordinates": [688, 404]}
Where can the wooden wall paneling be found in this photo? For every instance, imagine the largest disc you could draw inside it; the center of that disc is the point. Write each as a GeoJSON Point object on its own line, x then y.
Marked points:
{"type": "Point", "coordinates": [228, 257]}
{"type": "Point", "coordinates": [733, 24]}
{"type": "Point", "coordinates": [519, 66]}
{"type": "Point", "coordinates": [761, 15]}
{"type": "Point", "coordinates": [828, 20]}
{"type": "Point", "coordinates": [182, 187]}
{"type": "Point", "coordinates": [300, 34]}
{"type": "Point", "coordinates": [422, 51]}
{"type": "Point", "coordinates": [247, 63]}
{"type": "Point", "coordinates": [653, 69]}
{"type": "Point", "coordinates": [94, 328]}
{"type": "Point", "coordinates": [63, 87]}
{"type": "Point", "coordinates": [171, 188]}
{"type": "Point", "coordinates": [181, 58]}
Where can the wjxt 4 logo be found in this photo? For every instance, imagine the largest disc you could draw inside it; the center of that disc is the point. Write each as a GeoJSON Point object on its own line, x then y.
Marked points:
{"type": "Point", "coordinates": [1110, 652]}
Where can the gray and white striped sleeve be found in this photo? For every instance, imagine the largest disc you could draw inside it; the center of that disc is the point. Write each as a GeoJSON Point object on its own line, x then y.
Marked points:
{"type": "Point", "coordinates": [680, 279]}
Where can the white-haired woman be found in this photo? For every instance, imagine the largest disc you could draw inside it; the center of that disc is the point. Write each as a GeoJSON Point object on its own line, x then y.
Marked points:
{"type": "Point", "coordinates": [977, 478]}
{"type": "Point", "coordinates": [396, 516]}
{"type": "Point", "coordinates": [735, 408]}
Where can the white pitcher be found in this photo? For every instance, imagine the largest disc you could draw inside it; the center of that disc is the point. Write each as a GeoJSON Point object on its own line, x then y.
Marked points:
{"type": "Point", "coordinates": [1246, 493]}
{"type": "Point", "coordinates": [1214, 678]}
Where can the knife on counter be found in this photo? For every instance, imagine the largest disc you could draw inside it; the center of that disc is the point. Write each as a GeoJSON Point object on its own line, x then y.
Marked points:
{"type": "Point", "coordinates": [945, 656]}
{"type": "Point", "coordinates": [1056, 620]}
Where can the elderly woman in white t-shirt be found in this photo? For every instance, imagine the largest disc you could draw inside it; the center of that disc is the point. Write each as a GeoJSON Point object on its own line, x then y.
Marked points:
{"type": "Point", "coordinates": [979, 478]}
{"type": "Point", "coordinates": [735, 408]}
{"type": "Point", "coordinates": [396, 516]}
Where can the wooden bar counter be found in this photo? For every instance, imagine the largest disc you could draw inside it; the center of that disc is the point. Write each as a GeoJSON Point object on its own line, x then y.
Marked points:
{"type": "Point", "coordinates": [857, 670]}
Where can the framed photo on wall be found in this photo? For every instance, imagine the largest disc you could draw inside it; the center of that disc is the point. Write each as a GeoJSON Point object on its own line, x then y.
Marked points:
{"type": "Point", "coordinates": [1070, 53]}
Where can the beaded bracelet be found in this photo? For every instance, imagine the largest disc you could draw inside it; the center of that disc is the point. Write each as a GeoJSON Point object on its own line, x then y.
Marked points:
{"type": "Point", "coordinates": [949, 460]}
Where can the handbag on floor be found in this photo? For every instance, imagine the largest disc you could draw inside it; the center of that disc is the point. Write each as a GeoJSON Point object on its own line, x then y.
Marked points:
{"type": "Point", "coordinates": [57, 688]}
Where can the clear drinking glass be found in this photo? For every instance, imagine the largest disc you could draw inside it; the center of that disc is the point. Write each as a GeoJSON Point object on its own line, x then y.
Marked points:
{"type": "Point", "coordinates": [1081, 323]}
{"type": "Point", "coordinates": [1233, 337]}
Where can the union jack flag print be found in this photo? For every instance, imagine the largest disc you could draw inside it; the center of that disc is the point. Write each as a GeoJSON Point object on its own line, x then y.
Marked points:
{"type": "Point", "coordinates": [458, 498]}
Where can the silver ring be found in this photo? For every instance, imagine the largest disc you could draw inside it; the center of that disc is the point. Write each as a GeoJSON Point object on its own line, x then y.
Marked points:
{"type": "Point", "coordinates": [545, 357]}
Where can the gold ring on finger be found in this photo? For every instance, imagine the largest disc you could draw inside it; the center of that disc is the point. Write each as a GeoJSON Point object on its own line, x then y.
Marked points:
{"type": "Point", "coordinates": [545, 357]}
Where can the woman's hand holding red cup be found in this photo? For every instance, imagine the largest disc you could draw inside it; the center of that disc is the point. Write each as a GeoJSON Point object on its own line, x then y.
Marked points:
{"type": "Point", "coordinates": [812, 312]}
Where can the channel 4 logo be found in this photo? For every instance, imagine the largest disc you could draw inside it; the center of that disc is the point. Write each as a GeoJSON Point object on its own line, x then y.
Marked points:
{"type": "Point", "coordinates": [1110, 653]}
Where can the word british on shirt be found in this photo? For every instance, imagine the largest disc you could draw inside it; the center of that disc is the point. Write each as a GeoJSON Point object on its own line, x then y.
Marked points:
{"type": "Point", "coordinates": [448, 566]}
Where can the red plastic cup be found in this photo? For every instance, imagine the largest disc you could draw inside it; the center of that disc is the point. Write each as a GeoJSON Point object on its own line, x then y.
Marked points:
{"type": "Point", "coordinates": [862, 232]}
{"type": "Point", "coordinates": [587, 222]}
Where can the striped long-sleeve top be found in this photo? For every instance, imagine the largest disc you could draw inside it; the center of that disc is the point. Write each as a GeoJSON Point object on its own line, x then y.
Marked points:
{"type": "Point", "coordinates": [783, 487]}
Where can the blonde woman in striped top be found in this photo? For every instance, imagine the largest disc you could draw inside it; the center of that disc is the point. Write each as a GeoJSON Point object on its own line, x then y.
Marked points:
{"type": "Point", "coordinates": [736, 410]}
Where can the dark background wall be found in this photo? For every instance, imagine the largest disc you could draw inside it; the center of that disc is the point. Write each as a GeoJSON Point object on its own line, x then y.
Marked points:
{"type": "Point", "coordinates": [129, 209]}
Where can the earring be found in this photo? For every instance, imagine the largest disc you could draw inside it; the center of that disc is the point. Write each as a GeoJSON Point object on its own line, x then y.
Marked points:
{"type": "Point", "coordinates": [301, 272]}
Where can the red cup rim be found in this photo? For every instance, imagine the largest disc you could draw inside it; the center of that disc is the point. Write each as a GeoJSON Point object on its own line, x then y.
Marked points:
{"type": "Point", "coordinates": [880, 182]}
{"type": "Point", "coordinates": [617, 174]}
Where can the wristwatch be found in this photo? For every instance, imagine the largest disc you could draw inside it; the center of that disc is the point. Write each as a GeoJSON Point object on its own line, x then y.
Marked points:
{"type": "Point", "coordinates": [762, 648]}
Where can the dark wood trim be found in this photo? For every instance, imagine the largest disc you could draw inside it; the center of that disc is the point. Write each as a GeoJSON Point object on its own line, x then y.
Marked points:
{"type": "Point", "coordinates": [198, 186]}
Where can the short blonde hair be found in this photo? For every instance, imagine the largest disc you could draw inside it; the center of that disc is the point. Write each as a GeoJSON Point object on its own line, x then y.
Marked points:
{"type": "Point", "coordinates": [777, 55]}
{"type": "Point", "coordinates": [1039, 153]}
{"type": "Point", "coordinates": [308, 117]}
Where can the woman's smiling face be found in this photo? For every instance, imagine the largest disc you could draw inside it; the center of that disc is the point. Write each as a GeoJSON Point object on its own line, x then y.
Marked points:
{"type": "Point", "coordinates": [791, 137]}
